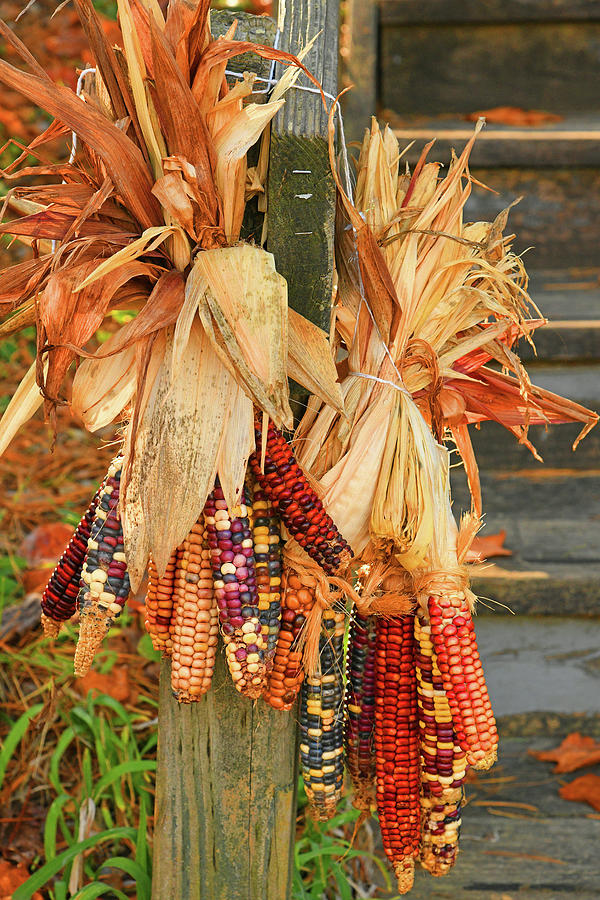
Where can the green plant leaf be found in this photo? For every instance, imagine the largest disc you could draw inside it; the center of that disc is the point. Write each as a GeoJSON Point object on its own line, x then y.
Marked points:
{"type": "Point", "coordinates": [15, 735]}
{"type": "Point", "coordinates": [53, 866]}
{"type": "Point", "coordinates": [51, 824]}
{"type": "Point", "coordinates": [135, 871]}
{"type": "Point", "coordinates": [63, 742]}
{"type": "Point", "coordinates": [126, 768]}
{"type": "Point", "coordinates": [91, 891]}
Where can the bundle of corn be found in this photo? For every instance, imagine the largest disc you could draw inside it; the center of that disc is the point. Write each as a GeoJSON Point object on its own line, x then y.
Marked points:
{"type": "Point", "coordinates": [424, 301]}
{"type": "Point", "coordinates": [147, 218]}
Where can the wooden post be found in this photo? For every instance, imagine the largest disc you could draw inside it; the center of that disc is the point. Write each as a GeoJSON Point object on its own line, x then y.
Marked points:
{"type": "Point", "coordinates": [359, 65]}
{"type": "Point", "coordinates": [301, 190]}
{"type": "Point", "coordinates": [227, 768]}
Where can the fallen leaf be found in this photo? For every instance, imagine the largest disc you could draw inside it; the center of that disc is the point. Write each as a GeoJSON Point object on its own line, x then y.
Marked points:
{"type": "Point", "coordinates": [514, 115]}
{"type": "Point", "coordinates": [45, 544]}
{"type": "Point", "coordinates": [575, 752]}
{"type": "Point", "coordinates": [585, 789]}
{"type": "Point", "coordinates": [12, 877]}
{"type": "Point", "coordinates": [115, 683]}
{"type": "Point", "coordinates": [488, 546]}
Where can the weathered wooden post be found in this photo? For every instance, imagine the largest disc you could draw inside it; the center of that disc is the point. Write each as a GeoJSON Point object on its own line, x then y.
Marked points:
{"type": "Point", "coordinates": [227, 768]}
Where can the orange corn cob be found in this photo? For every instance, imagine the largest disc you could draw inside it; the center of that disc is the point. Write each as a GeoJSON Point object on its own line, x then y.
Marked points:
{"type": "Point", "coordinates": [443, 762]}
{"type": "Point", "coordinates": [287, 674]}
{"type": "Point", "coordinates": [457, 655]}
{"type": "Point", "coordinates": [397, 751]}
{"type": "Point", "coordinates": [195, 621]}
{"type": "Point", "coordinates": [159, 605]}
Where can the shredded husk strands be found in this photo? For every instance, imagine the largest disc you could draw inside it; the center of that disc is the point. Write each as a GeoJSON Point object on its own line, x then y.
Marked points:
{"type": "Point", "coordinates": [424, 301]}
{"type": "Point", "coordinates": [147, 218]}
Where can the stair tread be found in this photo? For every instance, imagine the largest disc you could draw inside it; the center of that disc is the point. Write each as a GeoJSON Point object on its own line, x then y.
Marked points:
{"type": "Point", "coordinates": [566, 296]}
{"type": "Point", "coordinates": [572, 141]}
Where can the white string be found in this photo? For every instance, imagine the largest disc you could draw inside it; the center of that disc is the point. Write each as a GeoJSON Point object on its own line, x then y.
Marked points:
{"type": "Point", "coordinates": [399, 387]}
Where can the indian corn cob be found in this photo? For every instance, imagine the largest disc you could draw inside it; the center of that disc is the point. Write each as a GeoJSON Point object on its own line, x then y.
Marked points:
{"type": "Point", "coordinates": [266, 534]}
{"type": "Point", "coordinates": [195, 622]}
{"type": "Point", "coordinates": [443, 762]}
{"type": "Point", "coordinates": [59, 600]}
{"type": "Point", "coordinates": [301, 511]}
{"type": "Point", "coordinates": [104, 579]}
{"type": "Point", "coordinates": [230, 541]}
{"type": "Point", "coordinates": [159, 605]}
{"type": "Point", "coordinates": [455, 645]}
{"type": "Point", "coordinates": [360, 709]}
{"type": "Point", "coordinates": [321, 721]}
{"type": "Point", "coordinates": [397, 756]}
{"type": "Point", "coordinates": [285, 679]}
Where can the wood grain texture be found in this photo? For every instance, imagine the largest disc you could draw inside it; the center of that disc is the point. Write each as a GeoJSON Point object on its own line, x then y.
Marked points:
{"type": "Point", "coordinates": [411, 11]}
{"type": "Point", "coordinates": [431, 70]}
{"type": "Point", "coordinates": [301, 192]}
{"type": "Point", "coordinates": [227, 767]}
{"type": "Point", "coordinates": [359, 65]}
{"type": "Point", "coordinates": [225, 796]}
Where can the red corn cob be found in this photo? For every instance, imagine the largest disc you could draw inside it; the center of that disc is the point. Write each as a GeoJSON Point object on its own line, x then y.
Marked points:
{"type": "Point", "coordinates": [360, 709]}
{"type": "Point", "coordinates": [287, 674]}
{"type": "Point", "coordinates": [457, 655]}
{"type": "Point", "coordinates": [397, 756]}
{"type": "Point", "coordinates": [59, 600]}
{"type": "Point", "coordinates": [160, 599]}
{"type": "Point", "coordinates": [443, 762]}
{"type": "Point", "coordinates": [301, 511]}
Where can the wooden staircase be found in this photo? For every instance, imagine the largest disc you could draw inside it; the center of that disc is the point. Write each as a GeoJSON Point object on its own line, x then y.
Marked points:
{"type": "Point", "coordinates": [434, 63]}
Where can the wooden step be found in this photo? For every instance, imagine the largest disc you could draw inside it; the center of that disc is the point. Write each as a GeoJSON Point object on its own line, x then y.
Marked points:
{"type": "Point", "coordinates": [573, 141]}
{"type": "Point", "coordinates": [557, 219]}
{"type": "Point", "coordinates": [452, 67]}
{"type": "Point", "coordinates": [552, 524]}
{"type": "Point", "coordinates": [570, 299]}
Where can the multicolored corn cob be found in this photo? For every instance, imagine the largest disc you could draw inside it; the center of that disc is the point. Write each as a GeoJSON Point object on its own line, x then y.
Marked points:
{"type": "Point", "coordinates": [443, 762]}
{"type": "Point", "coordinates": [195, 622]}
{"type": "Point", "coordinates": [285, 679]}
{"type": "Point", "coordinates": [230, 542]}
{"type": "Point", "coordinates": [160, 598]}
{"type": "Point", "coordinates": [266, 533]}
{"type": "Point", "coordinates": [322, 721]}
{"type": "Point", "coordinates": [301, 511]}
{"type": "Point", "coordinates": [397, 752]}
{"type": "Point", "coordinates": [59, 600]}
{"type": "Point", "coordinates": [104, 578]}
{"type": "Point", "coordinates": [455, 645]}
{"type": "Point", "coordinates": [360, 709]}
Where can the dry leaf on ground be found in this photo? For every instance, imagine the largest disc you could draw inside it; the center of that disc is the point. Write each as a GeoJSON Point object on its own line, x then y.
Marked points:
{"type": "Point", "coordinates": [46, 543]}
{"type": "Point", "coordinates": [514, 115]}
{"type": "Point", "coordinates": [115, 683]}
{"type": "Point", "coordinates": [12, 877]}
{"type": "Point", "coordinates": [575, 752]}
{"type": "Point", "coordinates": [585, 789]}
{"type": "Point", "coordinates": [488, 546]}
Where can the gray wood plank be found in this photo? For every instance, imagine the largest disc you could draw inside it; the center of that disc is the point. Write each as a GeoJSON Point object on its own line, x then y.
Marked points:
{"type": "Point", "coordinates": [455, 69]}
{"type": "Point", "coordinates": [394, 12]}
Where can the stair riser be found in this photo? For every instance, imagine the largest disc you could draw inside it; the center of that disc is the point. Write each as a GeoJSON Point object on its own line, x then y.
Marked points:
{"type": "Point", "coordinates": [455, 69]}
